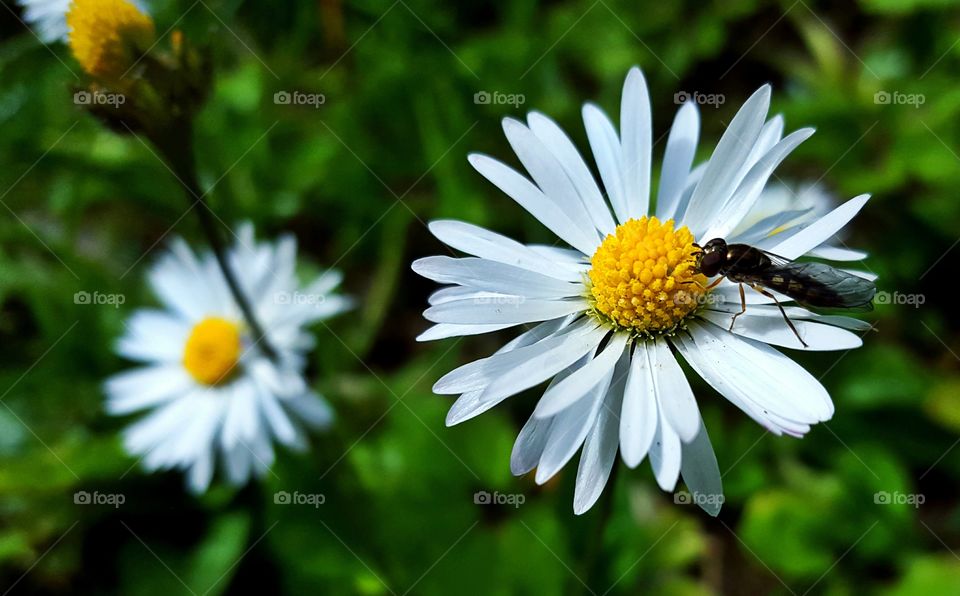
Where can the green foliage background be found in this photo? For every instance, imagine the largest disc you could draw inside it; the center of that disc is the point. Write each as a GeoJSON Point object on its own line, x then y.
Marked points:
{"type": "Point", "coordinates": [355, 180]}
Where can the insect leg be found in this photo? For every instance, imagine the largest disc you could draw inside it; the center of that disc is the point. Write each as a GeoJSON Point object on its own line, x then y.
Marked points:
{"type": "Point", "coordinates": [714, 283]}
{"type": "Point", "coordinates": [743, 307]}
{"type": "Point", "coordinates": [782, 312]}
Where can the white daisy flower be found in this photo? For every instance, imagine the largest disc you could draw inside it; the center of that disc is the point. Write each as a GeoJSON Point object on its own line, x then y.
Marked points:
{"type": "Point", "coordinates": [213, 397]}
{"type": "Point", "coordinates": [48, 18]}
{"type": "Point", "coordinates": [614, 311]}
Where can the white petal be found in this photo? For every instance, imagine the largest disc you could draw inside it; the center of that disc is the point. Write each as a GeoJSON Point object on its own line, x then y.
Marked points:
{"type": "Point", "coordinates": [573, 164]}
{"type": "Point", "coordinates": [483, 243]}
{"type": "Point", "coordinates": [453, 293]}
{"type": "Point", "coordinates": [141, 436]}
{"type": "Point", "coordinates": [145, 387]}
{"type": "Point", "coordinates": [470, 312]}
{"type": "Point", "coordinates": [606, 152]}
{"type": "Point", "coordinates": [705, 366]}
{"type": "Point", "coordinates": [679, 408]}
{"type": "Point", "coordinates": [636, 139]}
{"type": "Point", "coordinates": [774, 330]}
{"type": "Point", "coordinates": [821, 230]}
{"type": "Point", "coordinates": [677, 159]}
{"type": "Point", "coordinates": [195, 440]}
{"type": "Point", "coordinates": [549, 175]}
{"type": "Point", "coordinates": [795, 313]}
{"type": "Point", "coordinates": [758, 374]}
{"type": "Point", "coordinates": [528, 448]}
{"type": "Point", "coordinates": [743, 199]}
{"type": "Point", "coordinates": [701, 473]}
{"type": "Point", "coordinates": [475, 376]}
{"type": "Point", "coordinates": [543, 365]}
{"type": "Point", "coordinates": [276, 418]}
{"type": "Point", "coordinates": [311, 409]}
{"type": "Point", "coordinates": [241, 419]}
{"type": "Point", "coordinates": [47, 18]}
{"type": "Point", "coordinates": [568, 431]}
{"type": "Point", "coordinates": [693, 179]}
{"type": "Point", "coordinates": [665, 453]}
{"type": "Point", "coordinates": [600, 446]}
{"type": "Point", "coordinates": [326, 283]}
{"type": "Point", "coordinates": [722, 173]}
{"type": "Point", "coordinates": [469, 404]}
{"type": "Point", "coordinates": [577, 385]}
{"type": "Point", "coordinates": [154, 336]}
{"type": "Point", "coordinates": [638, 420]}
{"type": "Point", "coordinates": [566, 256]}
{"type": "Point", "coordinates": [837, 253]}
{"type": "Point", "coordinates": [529, 445]}
{"type": "Point", "coordinates": [445, 330]}
{"type": "Point", "coordinates": [770, 135]}
{"type": "Point", "coordinates": [727, 295]}
{"type": "Point", "coordinates": [237, 464]}
{"type": "Point", "coordinates": [182, 283]}
{"type": "Point", "coordinates": [763, 229]}
{"type": "Point", "coordinates": [201, 473]}
{"type": "Point", "coordinates": [528, 196]}
{"type": "Point", "coordinates": [492, 276]}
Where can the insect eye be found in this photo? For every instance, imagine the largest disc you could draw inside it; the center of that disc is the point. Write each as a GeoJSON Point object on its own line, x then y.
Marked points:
{"type": "Point", "coordinates": [710, 263]}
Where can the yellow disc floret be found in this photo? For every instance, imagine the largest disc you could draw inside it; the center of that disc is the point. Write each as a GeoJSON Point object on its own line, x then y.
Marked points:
{"type": "Point", "coordinates": [212, 350]}
{"type": "Point", "coordinates": [643, 277]}
{"type": "Point", "coordinates": [108, 36]}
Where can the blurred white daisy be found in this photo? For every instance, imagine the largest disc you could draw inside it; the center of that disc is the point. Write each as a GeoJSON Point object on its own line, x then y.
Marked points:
{"type": "Point", "coordinates": [213, 398]}
{"type": "Point", "coordinates": [48, 18]}
{"type": "Point", "coordinates": [613, 312]}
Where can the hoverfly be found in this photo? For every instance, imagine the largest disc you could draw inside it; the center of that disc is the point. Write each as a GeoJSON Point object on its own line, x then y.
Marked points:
{"type": "Point", "coordinates": [809, 284]}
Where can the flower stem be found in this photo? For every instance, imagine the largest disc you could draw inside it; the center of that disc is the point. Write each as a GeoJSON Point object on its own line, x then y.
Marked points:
{"type": "Point", "coordinates": [178, 151]}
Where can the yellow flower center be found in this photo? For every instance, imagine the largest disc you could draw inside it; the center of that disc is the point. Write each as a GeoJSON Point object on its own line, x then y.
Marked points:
{"type": "Point", "coordinates": [108, 36]}
{"type": "Point", "coordinates": [643, 277]}
{"type": "Point", "coordinates": [212, 350]}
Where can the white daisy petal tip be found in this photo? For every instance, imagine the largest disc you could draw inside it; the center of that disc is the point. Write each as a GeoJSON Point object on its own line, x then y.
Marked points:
{"type": "Point", "coordinates": [701, 473]}
{"type": "Point", "coordinates": [634, 77]}
{"type": "Point", "coordinates": [420, 265]}
{"type": "Point", "coordinates": [511, 125]}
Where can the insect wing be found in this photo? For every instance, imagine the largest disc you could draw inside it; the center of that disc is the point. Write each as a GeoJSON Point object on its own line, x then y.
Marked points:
{"type": "Point", "coordinates": [821, 286]}
{"type": "Point", "coordinates": [776, 260]}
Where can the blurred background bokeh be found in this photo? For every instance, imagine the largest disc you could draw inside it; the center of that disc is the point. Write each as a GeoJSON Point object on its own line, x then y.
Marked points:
{"type": "Point", "coordinates": [83, 209]}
